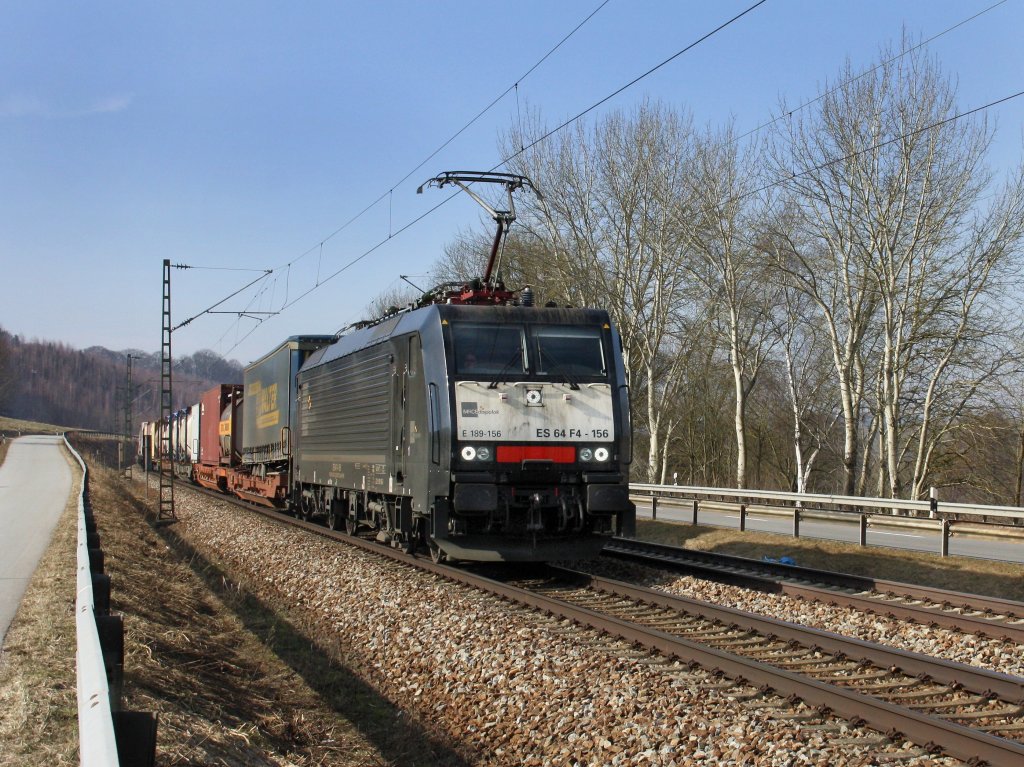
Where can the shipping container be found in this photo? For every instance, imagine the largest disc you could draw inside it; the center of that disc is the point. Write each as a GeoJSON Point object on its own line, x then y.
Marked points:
{"type": "Point", "coordinates": [270, 399]}
{"type": "Point", "coordinates": [218, 437]}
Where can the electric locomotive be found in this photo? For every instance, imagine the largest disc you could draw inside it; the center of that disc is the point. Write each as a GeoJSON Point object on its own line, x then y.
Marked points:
{"type": "Point", "coordinates": [481, 432]}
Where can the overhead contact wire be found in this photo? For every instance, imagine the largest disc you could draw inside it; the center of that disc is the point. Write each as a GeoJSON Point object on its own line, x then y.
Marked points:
{"type": "Point", "coordinates": [901, 54]}
{"type": "Point", "coordinates": [579, 116]}
{"type": "Point", "coordinates": [458, 133]}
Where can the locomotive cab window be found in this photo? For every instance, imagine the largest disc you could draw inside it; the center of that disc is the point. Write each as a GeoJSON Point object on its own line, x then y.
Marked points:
{"type": "Point", "coordinates": [488, 349]}
{"type": "Point", "coordinates": [577, 352]}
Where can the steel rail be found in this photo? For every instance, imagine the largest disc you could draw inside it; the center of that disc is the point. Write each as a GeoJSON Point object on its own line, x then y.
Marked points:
{"type": "Point", "coordinates": [823, 586]}
{"type": "Point", "coordinates": [981, 681]}
{"type": "Point", "coordinates": [931, 732]}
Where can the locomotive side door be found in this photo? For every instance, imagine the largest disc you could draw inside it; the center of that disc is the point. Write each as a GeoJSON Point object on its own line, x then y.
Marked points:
{"type": "Point", "coordinates": [416, 429]}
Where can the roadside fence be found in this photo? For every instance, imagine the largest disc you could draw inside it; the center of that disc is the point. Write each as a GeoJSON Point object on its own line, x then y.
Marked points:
{"type": "Point", "coordinates": [945, 520]}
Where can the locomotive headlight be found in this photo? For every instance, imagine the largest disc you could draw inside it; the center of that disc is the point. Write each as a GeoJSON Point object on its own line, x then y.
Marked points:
{"type": "Point", "coordinates": [534, 397]}
{"type": "Point", "coordinates": [470, 453]}
{"type": "Point", "coordinates": [601, 454]}
{"type": "Point", "coordinates": [586, 454]}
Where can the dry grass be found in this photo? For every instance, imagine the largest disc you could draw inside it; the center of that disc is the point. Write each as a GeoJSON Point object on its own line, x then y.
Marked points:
{"type": "Point", "coordinates": [233, 682]}
{"type": "Point", "coordinates": [977, 576]}
{"type": "Point", "coordinates": [38, 704]}
{"type": "Point", "coordinates": [10, 425]}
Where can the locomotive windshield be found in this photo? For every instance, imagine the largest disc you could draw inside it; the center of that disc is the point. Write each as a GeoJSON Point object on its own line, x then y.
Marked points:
{"type": "Point", "coordinates": [545, 350]}
{"type": "Point", "coordinates": [568, 351]}
{"type": "Point", "coordinates": [489, 349]}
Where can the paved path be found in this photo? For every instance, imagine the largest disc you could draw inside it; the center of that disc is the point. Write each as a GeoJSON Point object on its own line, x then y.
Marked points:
{"type": "Point", "coordinates": [35, 481]}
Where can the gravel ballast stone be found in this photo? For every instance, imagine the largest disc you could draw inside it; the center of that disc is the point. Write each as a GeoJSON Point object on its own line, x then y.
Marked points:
{"type": "Point", "coordinates": [510, 685]}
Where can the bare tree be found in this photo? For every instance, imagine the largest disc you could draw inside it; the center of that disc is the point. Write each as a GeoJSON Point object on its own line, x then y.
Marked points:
{"type": "Point", "coordinates": [7, 375]}
{"type": "Point", "coordinates": [805, 350]}
{"type": "Point", "coordinates": [611, 196]}
{"type": "Point", "coordinates": [725, 262]}
{"type": "Point", "coordinates": [890, 241]}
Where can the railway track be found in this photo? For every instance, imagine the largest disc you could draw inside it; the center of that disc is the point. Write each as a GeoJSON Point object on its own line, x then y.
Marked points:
{"type": "Point", "coordinates": [969, 613]}
{"type": "Point", "coordinates": [963, 712]}
{"type": "Point", "coordinates": [969, 713]}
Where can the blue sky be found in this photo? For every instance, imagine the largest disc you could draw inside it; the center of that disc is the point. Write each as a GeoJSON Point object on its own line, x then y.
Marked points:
{"type": "Point", "coordinates": [243, 134]}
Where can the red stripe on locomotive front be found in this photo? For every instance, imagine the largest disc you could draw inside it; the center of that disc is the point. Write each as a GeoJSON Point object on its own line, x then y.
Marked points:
{"type": "Point", "coordinates": [517, 453]}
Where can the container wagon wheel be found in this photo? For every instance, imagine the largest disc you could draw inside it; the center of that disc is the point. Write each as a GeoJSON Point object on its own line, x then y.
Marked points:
{"type": "Point", "coordinates": [350, 525]}
{"type": "Point", "coordinates": [334, 517]}
{"type": "Point", "coordinates": [436, 555]}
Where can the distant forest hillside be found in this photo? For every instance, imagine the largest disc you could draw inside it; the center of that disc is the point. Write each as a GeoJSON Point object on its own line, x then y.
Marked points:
{"type": "Point", "coordinates": [51, 382]}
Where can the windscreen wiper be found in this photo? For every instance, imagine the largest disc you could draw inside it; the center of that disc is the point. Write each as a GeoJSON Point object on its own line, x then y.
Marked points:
{"type": "Point", "coordinates": [508, 365]}
{"type": "Point", "coordinates": [556, 367]}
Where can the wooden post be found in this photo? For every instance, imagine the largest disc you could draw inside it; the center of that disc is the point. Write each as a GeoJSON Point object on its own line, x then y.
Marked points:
{"type": "Point", "coordinates": [743, 517]}
{"type": "Point", "coordinates": [654, 507]}
{"type": "Point", "coordinates": [863, 529]}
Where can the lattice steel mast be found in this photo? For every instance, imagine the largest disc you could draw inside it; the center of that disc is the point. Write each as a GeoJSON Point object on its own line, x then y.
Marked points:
{"type": "Point", "coordinates": [165, 510]}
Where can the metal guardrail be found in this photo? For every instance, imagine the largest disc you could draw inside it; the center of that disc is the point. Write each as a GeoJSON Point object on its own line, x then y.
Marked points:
{"type": "Point", "coordinates": [96, 741]}
{"type": "Point", "coordinates": [108, 736]}
{"type": "Point", "coordinates": [837, 506]}
{"type": "Point", "coordinates": [852, 501]}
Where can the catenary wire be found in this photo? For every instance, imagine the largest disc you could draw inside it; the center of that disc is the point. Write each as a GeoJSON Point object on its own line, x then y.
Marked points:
{"type": "Point", "coordinates": [873, 147]}
{"type": "Point", "coordinates": [637, 79]}
{"type": "Point", "coordinates": [452, 138]}
{"type": "Point", "coordinates": [901, 54]}
{"type": "Point", "coordinates": [374, 203]}
{"type": "Point", "coordinates": [565, 124]}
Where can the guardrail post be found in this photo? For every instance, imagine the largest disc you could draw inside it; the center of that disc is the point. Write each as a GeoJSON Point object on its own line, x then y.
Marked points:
{"type": "Point", "coordinates": [96, 561]}
{"type": "Point", "coordinates": [944, 547]}
{"type": "Point", "coordinates": [796, 523]}
{"type": "Point", "coordinates": [101, 593]}
{"type": "Point", "coordinates": [863, 529]}
{"type": "Point", "coordinates": [743, 517]}
{"type": "Point", "coordinates": [696, 506]}
{"type": "Point", "coordinates": [136, 738]}
{"type": "Point", "coordinates": [111, 633]}
{"type": "Point", "coordinates": [654, 507]}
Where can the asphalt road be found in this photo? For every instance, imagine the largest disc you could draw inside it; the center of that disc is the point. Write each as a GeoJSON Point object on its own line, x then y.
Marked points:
{"type": "Point", "coordinates": [35, 481]}
{"type": "Point", "coordinates": [982, 547]}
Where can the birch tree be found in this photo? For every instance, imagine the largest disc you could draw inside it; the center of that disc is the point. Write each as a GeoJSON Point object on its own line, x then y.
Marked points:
{"type": "Point", "coordinates": [895, 244]}
{"type": "Point", "coordinates": [726, 263]}
{"type": "Point", "coordinates": [610, 196]}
